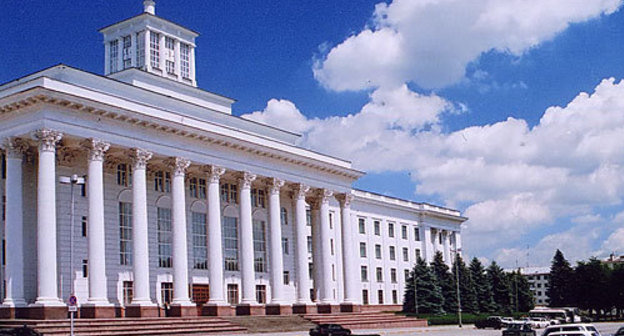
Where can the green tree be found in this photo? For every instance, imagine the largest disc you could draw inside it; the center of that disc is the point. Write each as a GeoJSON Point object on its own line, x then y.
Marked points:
{"type": "Point", "coordinates": [467, 290]}
{"type": "Point", "coordinates": [522, 297]}
{"type": "Point", "coordinates": [445, 281]}
{"type": "Point", "coordinates": [617, 289]}
{"type": "Point", "coordinates": [501, 291]}
{"type": "Point", "coordinates": [592, 280]}
{"type": "Point", "coordinates": [482, 287]}
{"type": "Point", "coordinates": [560, 289]}
{"type": "Point", "coordinates": [422, 281]}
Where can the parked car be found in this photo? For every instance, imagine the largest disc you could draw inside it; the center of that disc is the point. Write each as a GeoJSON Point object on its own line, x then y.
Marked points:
{"type": "Point", "coordinates": [620, 332]}
{"type": "Point", "coordinates": [572, 333]}
{"type": "Point", "coordinates": [569, 328]}
{"type": "Point", "coordinates": [519, 329]}
{"type": "Point", "coordinates": [494, 322]}
{"type": "Point", "coordinates": [538, 322]}
{"type": "Point", "coordinates": [333, 330]}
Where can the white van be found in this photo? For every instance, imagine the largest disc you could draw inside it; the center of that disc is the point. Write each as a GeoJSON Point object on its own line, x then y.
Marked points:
{"type": "Point", "coordinates": [571, 329]}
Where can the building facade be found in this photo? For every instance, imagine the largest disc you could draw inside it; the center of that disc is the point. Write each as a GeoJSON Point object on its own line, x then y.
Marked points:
{"type": "Point", "coordinates": [184, 204]}
{"type": "Point", "coordinates": [538, 278]}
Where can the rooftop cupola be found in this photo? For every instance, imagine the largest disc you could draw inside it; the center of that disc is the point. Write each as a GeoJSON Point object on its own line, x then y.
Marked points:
{"type": "Point", "coordinates": [152, 44]}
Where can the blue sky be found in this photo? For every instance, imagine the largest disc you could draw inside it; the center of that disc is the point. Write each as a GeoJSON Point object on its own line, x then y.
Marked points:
{"type": "Point", "coordinates": [418, 93]}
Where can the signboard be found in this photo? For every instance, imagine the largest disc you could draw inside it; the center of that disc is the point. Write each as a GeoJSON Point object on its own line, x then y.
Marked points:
{"type": "Point", "coordinates": [72, 309]}
{"type": "Point", "coordinates": [73, 301]}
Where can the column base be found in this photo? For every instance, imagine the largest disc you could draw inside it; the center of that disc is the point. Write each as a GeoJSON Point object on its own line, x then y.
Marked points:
{"type": "Point", "coordinates": [181, 310]}
{"type": "Point", "coordinates": [42, 312]}
{"type": "Point", "coordinates": [327, 308]}
{"type": "Point", "coordinates": [142, 310]}
{"type": "Point", "coordinates": [11, 312]}
{"type": "Point", "coordinates": [302, 309]}
{"type": "Point", "coordinates": [212, 309]}
{"type": "Point", "coordinates": [350, 308]}
{"type": "Point", "coordinates": [249, 309]}
{"type": "Point", "coordinates": [278, 309]}
{"type": "Point", "coordinates": [90, 310]}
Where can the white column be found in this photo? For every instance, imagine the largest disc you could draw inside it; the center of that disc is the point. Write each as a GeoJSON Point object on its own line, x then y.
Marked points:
{"type": "Point", "coordinates": [133, 49]}
{"type": "Point", "coordinates": [447, 246]}
{"type": "Point", "coordinates": [215, 252]}
{"type": "Point", "coordinates": [47, 285]}
{"type": "Point", "coordinates": [147, 51]}
{"type": "Point", "coordinates": [107, 58]}
{"type": "Point", "coordinates": [427, 246]}
{"type": "Point", "coordinates": [120, 57]}
{"type": "Point", "coordinates": [275, 250]}
{"type": "Point", "coordinates": [192, 63]}
{"type": "Point", "coordinates": [317, 262]}
{"type": "Point", "coordinates": [326, 276]}
{"type": "Point", "coordinates": [349, 262]}
{"type": "Point", "coordinates": [180, 258]}
{"type": "Point", "coordinates": [177, 59]}
{"type": "Point", "coordinates": [163, 53]}
{"type": "Point", "coordinates": [246, 240]}
{"type": "Point", "coordinates": [139, 228]}
{"type": "Point", "coordinates": [96, 235]}
{"type": "Point", "coordinates": [301, 246]}
{"type": "Point", "coordinates": [14, 223]}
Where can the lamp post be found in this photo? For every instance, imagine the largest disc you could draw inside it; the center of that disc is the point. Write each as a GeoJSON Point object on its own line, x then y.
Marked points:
{"type": "Point", "coordinates": [415, 293]}
{"type": "Point", "coordinates": [459, 310]}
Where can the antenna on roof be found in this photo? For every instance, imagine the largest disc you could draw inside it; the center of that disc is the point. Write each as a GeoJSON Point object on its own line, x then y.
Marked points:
{"type": "Point", "coordinates": [149, 6]}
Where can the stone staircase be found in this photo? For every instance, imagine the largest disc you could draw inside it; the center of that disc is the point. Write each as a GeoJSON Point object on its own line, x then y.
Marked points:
{"type": "Point", "coordinates": [367, 320]}
{"type": "Point", "coordinates": [131, 326]}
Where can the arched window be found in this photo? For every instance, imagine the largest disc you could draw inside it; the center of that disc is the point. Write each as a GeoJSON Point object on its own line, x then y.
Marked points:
{"type": "Point", "coordinates": [284, 216]}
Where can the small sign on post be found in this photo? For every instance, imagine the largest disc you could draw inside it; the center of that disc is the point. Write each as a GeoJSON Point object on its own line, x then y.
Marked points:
{"type": "Point", "coordinates": [72, 305]}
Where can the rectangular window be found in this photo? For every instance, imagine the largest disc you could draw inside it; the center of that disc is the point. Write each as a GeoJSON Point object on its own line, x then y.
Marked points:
{"type": "Point", "coordinates": [379, 274]}
{"type": "Point", "coordinates": [286, 278]}
{"type": "Point", "coordinates": [229, 193]}
{"type": "Point", "coordinates": [164, 237]}
{"type": "Point", "coordinates": [395, 296]}
{"type": "Point", "coordinates": [363, 250]}
{"type": "Point", "coordinates": [365, 296]}
{"type": "Point", "coordinates": [331, 246]}
{"type": "Point", "coordinates": [140, 50]}
{"type": "Point", "coordinates": [154, 50]}
{"type": "Point", "coordinates": [200, 251]}
{"type": "Point", "coordinates": [185, 60]}
{"type": "Point", "coordinates": [308, 217]}
{"type": "Point", "coordinates": [391, 230]}
{"type": "Point", "coordinates": [202, 188]}
{"type": "Point", "coordinates": [124, 175]}
{"type": "Point", "coordinates": [166, 292]}
{"type": "Point", "coordinates": [83, 225]}
{"type": "Point", "coordinates": [404, 231]}
{"type": "Point", "coordinates": [127, 52]}
{"type": "Point", "coordinates": [331, 220]}
{"type": "Point", "coordinates": [310, 270]}
{"type": "Point", "coordinates": [258, 198]}
{"type": "Point", "coordinates": [285, 246]}
{"type": "Point", "coordinates": [128, 292]}
{"type": "Point", "coordinates": [392, 253]}
{"type": "Point", "coordinates": [405, 254]}
{"type": "Point", "coordinates": [284, 216]}
{"type": "Point", "coordinates": [85, 268]}
{"type": "Point", "coordinates": [230, 243]}
{"type": "Point", "coordinates": [364, 273]}
{"type": "Point", "coordinates": [393, 275]}
{"type": "Point", "coordinates": [333, 272]}
{"type": "Point", "coordinates": [377, 226]}
{"type": "Point", "coordinates": [193, 187]}
{"type": "Point", "coordinates": [170, 67]}
{"type": "Point", "coordinates": [113, 55]}
{"type": "Point", "coordinates": [125, 233]}
{"type": "Point", "coordinates": [162, 181]}
{"type": "Point", "coordinates": [406, 274]}
{"type": "Point", "coordinates": [309, 244]}
{"type": "Point", "coordinates": [170, 55]}
{"type": "Point", "coordinates": [380, 297]}
{"type": "Point", "coordinates": [417, 234]}
{"type": "Point", "coordinates": [377, 251]}
{"type": "Point", "coordinates": [417, 254]}
{"type": "Point", "coordinates": [259, 242]}
{"type": "Point", "coordinates": [232, 294]}
{"type": "Point", "coordinates": [261, 294]}
{"type": "Point", "coordinates": [362, 225]}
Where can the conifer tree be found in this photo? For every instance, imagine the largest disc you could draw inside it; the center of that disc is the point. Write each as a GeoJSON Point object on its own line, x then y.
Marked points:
{"type": "Point", "coordinates": [482, 287]}
{"type": "Point", "coordinates": [526, 301]}
{"type": "Point", "coordinates": [445, 281]}
{"type": "Point", "coordinates": [560, 284]}
{"type": "Point", "coordinates": [501, 291]}
{"type": "Point", "coordinates": [429, 298]}
{"type": "Point", "coordinates": [467, 287]}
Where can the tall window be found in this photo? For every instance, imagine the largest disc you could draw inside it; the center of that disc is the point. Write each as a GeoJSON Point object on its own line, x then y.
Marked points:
{"type": "Point", "coordinates": [197, 188]}
{"type": "Point", "coordinates": [331, 220]}
{"type": "Point", "coordinates": [128, 292]}
{"type": "Point", "coordinates": [170, 55]}
{"type": "Point", "coordinates": [232, 294]}
{"type": "Point", "coordinates": [162, 181]}
{"type": "Point", "coordinates": [164, 237]}
{"type": "Point", "coordinates": [416, 234]}
{"type": "Point", "coordinates": [393, 275]}
{"type": "Point", "coordinates": [362, 225]}
{"type": "Point", "coordinates": [258, 198]}
{"type": "Point", "coordinates": [379, 274]}
{"type": "Point", "coordinates": [229, 193]}
{"type": "Point", "coordinates": [308, 217]}
{"type": "Point", "coordinates": [85, 268]}
{"type": "Point", "coordinates": [127, 54]}
{"type": "Point", "coordinates": [124, 175]}
{"type": "Point", "coordinates": [125, 233]}
{"type": "Point", "coordinates": [140, 50]}
{"type": "Point", "coordinates": [285, 246]}
{"type": "Point", "coordinates": [405, 254]}
{"type": "Point", "coordinates": [284, 216]}
{"type": "Point", "coordinates": [406, 274]}
{"type": "Point", "coordinates": [404, 231]}
{"type": "Point", "coordinates": [391, 230]}
{"type": "Point", "coordinates": [364, 273]}
{"type": "Point", "coordinates": [363, 250]}
{"type": "Point", "coordinates": [261, 294]}
{"type": "Point", "coordinates": [230, 243]}
{"type": "Point", "coordinates": [259, 241]}
{"type": "Point", "coordinates": [166, 292]}
{"type": "Point", "coordinates": [309, 241]}
{"type": "Point", "coordinates": [185, 60]}
{"type": "Point", "coordinates": [377, 226]}
{"type": "Point", "coordinates": [417, 254]}
{"type": "Point", "coordinates": [392, 253]}
{"type": "Point", "coordinates": [377, 251]}
{"type": "Point", "coordinates": [286, 278]}
{"type": "Point", "coordinates": [113, 55]}
{"type": "Point", "coordinates": [200, 252]}
{"type": "Point", "coordinates": [380, 296]}
{"type": "Point", "coordinates": [365, 296]}
{"type": "Point", "coordinates": [395, 296]}
{"type": "Point", "coordinates": [154, 50]}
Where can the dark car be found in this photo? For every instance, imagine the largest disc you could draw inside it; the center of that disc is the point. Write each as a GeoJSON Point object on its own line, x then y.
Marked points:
{"type": "Point", "coordinates": [494, 322]}
{"type": "Point", "coordinates": [329, 330]}
{"type": "Point", "coordinates": [519, 329]}
{"type": "Point", "coordinates": [620, 332]}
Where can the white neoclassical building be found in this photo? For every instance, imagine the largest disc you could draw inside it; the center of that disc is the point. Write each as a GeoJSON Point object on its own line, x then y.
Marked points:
{"type": "Point", "coordinates": [185, 205]}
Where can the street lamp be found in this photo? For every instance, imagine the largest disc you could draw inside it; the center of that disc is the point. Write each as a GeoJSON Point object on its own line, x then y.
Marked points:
{"type": "Point", "coordinates": [72, 181]}
{"type": "Point", "coordinates": [416, 293]}
{"type": "Point", "coordinates": [459, 310]}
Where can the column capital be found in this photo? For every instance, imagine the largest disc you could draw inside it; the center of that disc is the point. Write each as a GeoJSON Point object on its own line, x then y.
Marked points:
{"type": "Point", "coordinates": [275, 184]}
{"type": "Point", "coordinates": [14, 147]}
{"type": "Point", "coordinates": [97, 148]}
{"type": "Point", "coordinates": [214, 173]}
{"type": "Point", "coordinates": [47, 139]}
{"type": "Point", "coordinates": [140, 157]}
{"type": "Point", "coordinates": [324, 195]}
{"type": "Point", "coordinates": [300, 191]}
{"type": "Point", "coordinates": [245, 179]}
{"type": "Point", "coordinates": [345, 199]}
{"type": "Point", "coordinates": [178, 165]}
